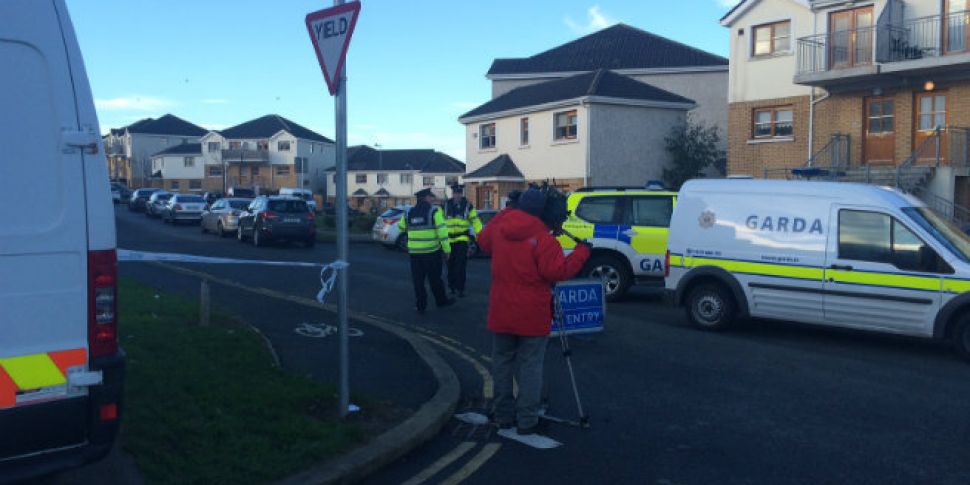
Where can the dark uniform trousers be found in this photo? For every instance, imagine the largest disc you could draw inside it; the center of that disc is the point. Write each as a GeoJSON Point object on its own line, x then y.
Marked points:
{"type": "Point", "coordinates": [456, 266]}
{"type": "Point", "coordinates": [428, 267]}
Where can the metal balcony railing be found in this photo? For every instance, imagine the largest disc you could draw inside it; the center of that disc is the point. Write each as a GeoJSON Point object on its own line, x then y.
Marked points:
{"type": "Point", "coordinates": [236, 155]}
{"type": "Point", "coordinates": [836, 50]}
{"type": "Point", "coordinates": [914, 39]}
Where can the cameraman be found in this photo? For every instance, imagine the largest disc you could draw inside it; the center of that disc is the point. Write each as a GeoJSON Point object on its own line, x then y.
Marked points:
{"type": "Point", "coordinates": [526, 262]}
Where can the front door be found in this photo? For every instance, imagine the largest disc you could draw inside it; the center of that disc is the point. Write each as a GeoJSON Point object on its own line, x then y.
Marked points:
{"type": "Point", "coordinates": [956, 26]}
{"type": "Point", "coordinates": [879, 275]}
{"type": "Point", "coordinates": [880, 131]}
{"type": "Point", "coordinates": [850, 37]}
{"type": "Point", "coordinates": [931, 113]}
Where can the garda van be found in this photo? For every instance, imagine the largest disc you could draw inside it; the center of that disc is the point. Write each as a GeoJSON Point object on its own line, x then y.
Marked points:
{"type": "Point", "coordinates": [61, 370]}
{"type": "Point", "coordinates": [845, 255]}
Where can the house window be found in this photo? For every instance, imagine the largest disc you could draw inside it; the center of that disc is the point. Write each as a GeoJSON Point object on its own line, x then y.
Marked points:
{"type": "Point", "coordinates": [565, 125]}
{"type": "Point", "coordinates": [282, 170]}
{"type": "Point", "coordinates": [255, 171]}
{"type": "Point", "coordinates": [487, 202]}
{"type": "Point", "coordinates": [932, 112]}
{"type": "Point", "coordinates": [524, 131]}
{"type": "Point", "coordinates": [880, 116]}
{"type": "Point", "coordinates": [451, 180]}
{"type": "Point", "coordinates": [486, 136]}
{"type": "Point", "coordinates": [283, 146]}
{"type": "Point", "coordinates": [188, 162]}
{"type": "Point", "coordinates": [262, 145]}
{"type": "Point", "coordinates": [428, 181]}
{"type": "Point", "coordinates": [407, 178]}
{"type": "Point", "coordinates": [195, 184]}
{"type": "Point", "coordinates": [362, 178]}
{"type": "Point", "coordinates": [312, 146]}
{"type": "Point", "coordinates": [771, 39]}
{"type": "Point", "coordinates": [299, 164]}
{"type": "Point", "coordinates": [381, 178]}
{"type": "Point", "coordinates": [215, 171]}
{"type": "Point", "coordinates": [773, 122]}
{"type": "Point", "coordinates": [235, 145]}
{"type": "Point", "coordinates": [173, 184]}
{"type": "Point", "coordinates": [214, 146]}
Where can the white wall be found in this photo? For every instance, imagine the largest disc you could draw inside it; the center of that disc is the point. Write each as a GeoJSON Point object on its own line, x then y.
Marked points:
{"type": "Point", "coordinates": [753, 79]}
{"type": "Point", "coordinates": [173, 166]}
{"type": "Point", "coordinates": [320, 156]}
{"type": "Point", "coordinates": [394, 185]}
{"type": "Point", "coordinates": [543, 157]}
{"type": "Point", "coordinates": [140, 148]}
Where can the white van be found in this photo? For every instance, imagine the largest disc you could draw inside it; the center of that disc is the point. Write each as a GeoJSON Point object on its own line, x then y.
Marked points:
{"type": "Point", "coordinates": [61, 370]}
{"type": "Point", "coordinates": [304, 194]}
{"type": "Point", "coordinates": [838, 254]}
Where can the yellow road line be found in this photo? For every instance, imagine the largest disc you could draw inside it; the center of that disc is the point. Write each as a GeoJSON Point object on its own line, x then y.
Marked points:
{"type": "Point", "coordinates": [488, 385]}
{"type": "Point", "coordinates": [473, 465]}
{"type": "Point", "coordinates": [441, 464]}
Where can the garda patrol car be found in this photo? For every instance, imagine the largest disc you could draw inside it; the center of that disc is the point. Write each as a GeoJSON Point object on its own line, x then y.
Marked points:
{"type": "Point", "coordinates": [837, 254]}
{"type": "Point", "coordinates": [628, 230]}
{"type": "Point", "coordinates": [61, 370]}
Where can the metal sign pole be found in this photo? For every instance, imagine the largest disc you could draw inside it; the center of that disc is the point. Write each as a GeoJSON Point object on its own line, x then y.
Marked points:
{"type": "Point", "coordinates": [343, 296]}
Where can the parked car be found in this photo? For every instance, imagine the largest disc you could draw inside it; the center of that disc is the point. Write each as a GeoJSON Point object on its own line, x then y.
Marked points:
{"type": "Point", "coordinates": [304, 194]}
{"type": "Point", "coordinates": [274, 218]}
{"type": "Point", "coordinates": [385, 230]}
{"type": "Point", "coordinates": [211, 197]}
{"type": "Point", "coordinates": [119, 193]}
{"type": "Point", "coordinates": [222, 217]}
{"type": "Point", "coordinates": [61, 370]}
{"type": "Point", "coordinates": [138, 201]}
{"type": "Point", "coordinates": [242, 192]}
{"type": "Point", "coordinates": [155, 204]}
{"type": "Point", "coordinates": [183, 207]}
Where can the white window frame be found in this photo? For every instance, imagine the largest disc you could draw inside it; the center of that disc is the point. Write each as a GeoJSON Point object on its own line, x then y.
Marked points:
{"type": "Point", "coordinates": [482, 137]}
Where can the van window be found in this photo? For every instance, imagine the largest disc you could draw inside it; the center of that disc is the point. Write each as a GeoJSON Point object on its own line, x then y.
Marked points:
{"type": "Point", "coordinates": [944, 231]}
{"type": "Point", "coordinates": [652, 211]}
{"type": "Point", "coordinates": [865, 236]}
{"type": "Point", "coordinates": [599, 210]}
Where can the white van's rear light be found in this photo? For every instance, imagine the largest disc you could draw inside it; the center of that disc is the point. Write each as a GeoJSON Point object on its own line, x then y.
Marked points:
{"type": "Point", "coordinates": [667, 265]}
{"type": "Point", "coordinates": [102, 302]}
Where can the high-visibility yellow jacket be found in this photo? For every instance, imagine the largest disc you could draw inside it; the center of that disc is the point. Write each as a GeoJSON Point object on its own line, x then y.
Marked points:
{"type": "Point", "coordinates": [460, 217]}
{"type": "Point", "coordinates": [426, 230]}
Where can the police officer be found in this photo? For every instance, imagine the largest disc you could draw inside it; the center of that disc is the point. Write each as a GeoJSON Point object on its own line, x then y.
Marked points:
{"type": "Point", "coordinates": [428, 246]}
{"type": "Point", "coordinates": [460, 217]}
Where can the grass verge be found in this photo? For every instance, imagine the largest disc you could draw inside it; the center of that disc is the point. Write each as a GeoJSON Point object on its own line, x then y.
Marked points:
{"type": "Point", "coordinates": [206, 405]}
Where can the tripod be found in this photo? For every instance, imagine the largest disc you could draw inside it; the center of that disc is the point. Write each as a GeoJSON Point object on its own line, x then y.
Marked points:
{"type": "Point", "coordinates": [583, 421]}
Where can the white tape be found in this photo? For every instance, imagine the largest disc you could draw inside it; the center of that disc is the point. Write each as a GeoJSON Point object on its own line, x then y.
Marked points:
{"type": "Point", "coordinates": [328, 271]}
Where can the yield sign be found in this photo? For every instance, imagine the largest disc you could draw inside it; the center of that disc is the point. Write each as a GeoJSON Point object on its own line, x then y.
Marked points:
{"type": "Point", "coordinates": [330, 31]}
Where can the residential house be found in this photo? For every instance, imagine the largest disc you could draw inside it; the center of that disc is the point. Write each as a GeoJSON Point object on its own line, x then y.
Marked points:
{"type": "Point", "coordinates": [874, 91]}
{"type": "Point", "coordinates": [267, 153]}
{"type": "Point", "coordinates": [596, 128]}
{"type": "Point", "coordinates": [179, 168]}
{"type": "Point", "coordinates": [129, 149]}
{"type": "Point", "coordinates": [386, 178]}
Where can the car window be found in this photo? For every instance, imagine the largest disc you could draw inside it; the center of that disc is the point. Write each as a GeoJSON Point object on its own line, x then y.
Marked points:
{"type": "Point", "coordinates": [287, 206]}
{"type": "Point", "coordinates": [239, 204]}
{"type": "Point", "coordinates": [191, 199]}
{"type": "Point", "coordinates": [865, 236]}
{"type": "Point", "coordinates": [651, 211]}
{"type": "Point", "coordinates": [599, 210]}
{"type": "Point", "coordinates": [485, 217]}
{"type": "Point", "coordinates": [391, 212]}
{"type": "Point", "coordinates": [218, 205]}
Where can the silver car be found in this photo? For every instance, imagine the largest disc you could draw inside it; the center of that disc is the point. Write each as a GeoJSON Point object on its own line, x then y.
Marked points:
{"type": "Point", "coordinates": [222, 217]}
{"type": "Point", "coordinates": [183, 207]}
{"type": "Point", "coordinates": [385, 229]}
{"type": "Point", "coordinates": [155, 203]}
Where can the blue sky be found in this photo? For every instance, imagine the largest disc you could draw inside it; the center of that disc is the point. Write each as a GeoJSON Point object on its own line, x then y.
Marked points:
{"type": "Point", "coordinates": [413, 67]}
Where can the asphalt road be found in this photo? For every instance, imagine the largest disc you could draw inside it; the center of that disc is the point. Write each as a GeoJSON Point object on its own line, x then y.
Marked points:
{"type": "Point", "coordinates": [766, 402]}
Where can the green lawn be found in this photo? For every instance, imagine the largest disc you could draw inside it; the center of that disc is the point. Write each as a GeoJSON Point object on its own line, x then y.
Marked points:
{"type": "Point", "coordinates": [206, 405]}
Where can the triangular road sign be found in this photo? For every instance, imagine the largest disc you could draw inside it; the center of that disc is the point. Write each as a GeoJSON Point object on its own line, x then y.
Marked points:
{"type": "Point", "coordinates": [330, 31]}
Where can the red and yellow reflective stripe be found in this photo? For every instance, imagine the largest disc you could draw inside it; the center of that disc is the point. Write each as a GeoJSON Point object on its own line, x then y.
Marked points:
{"type": "Point", "coordinates": [36, 371]}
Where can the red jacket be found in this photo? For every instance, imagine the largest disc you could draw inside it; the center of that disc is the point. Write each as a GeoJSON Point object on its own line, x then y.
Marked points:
{"type": "Point", "coordinates": [526, 262]}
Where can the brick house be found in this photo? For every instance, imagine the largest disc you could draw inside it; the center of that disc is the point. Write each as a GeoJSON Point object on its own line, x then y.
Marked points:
{"type": "Point", "coordinates": [129, 149]}
{"type": "Point", "coordinates": [385, 178]}
{"type": "Point", "coordinates": [874, 91]}
{"type": "Point", "coordinates": [179, 168]}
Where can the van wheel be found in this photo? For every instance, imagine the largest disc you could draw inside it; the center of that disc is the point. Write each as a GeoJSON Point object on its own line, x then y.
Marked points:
{"type": "Point", "coordinates": [613, 272]}
{"type": "Point", "coordinates": [961, 337]}
{"type": "Point", "coordinates": [710, 307]}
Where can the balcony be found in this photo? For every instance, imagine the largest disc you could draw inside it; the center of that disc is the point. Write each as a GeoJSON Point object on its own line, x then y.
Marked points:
{"type": "Point", "coordinates": [245, 156]}
{"type": "Point", "coordinates": [936, 45]}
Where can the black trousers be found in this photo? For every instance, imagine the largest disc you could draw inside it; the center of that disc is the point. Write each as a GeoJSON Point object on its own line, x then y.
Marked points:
{"type": "Point", "coordinates": [457, 264]}
{"type": "Point", "coordinates": [427, 267]}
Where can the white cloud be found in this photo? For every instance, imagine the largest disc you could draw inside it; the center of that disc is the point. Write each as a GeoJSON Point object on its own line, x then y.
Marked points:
{"type": "Point", "coordinates": [215, 101]}
{"type": "Point", "coordinates": [595, 20]}
{"type": "Point", "coordinates": [133, 103]}
{"type": "Point", "coordinates": [726, 3]}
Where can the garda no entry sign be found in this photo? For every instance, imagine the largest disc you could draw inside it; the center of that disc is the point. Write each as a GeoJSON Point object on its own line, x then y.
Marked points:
{"type": "Point", "coordinates": [581, 306]}
{"type": "Point", "coordinates": [330, 31]}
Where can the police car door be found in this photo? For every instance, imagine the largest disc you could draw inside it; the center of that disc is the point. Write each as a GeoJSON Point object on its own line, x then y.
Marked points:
{"type": "Point", "coordinates": [880, 275]}
{"type": "Point", "coordinates": [649, 225]}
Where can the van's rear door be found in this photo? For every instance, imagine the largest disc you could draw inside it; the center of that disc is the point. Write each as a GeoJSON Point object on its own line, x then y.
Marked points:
{"type": "Point", "coordinates": [43, 225]}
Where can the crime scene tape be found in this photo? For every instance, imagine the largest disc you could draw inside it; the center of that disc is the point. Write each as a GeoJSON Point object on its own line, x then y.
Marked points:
{"type": "Point", "coordinates": [328, 271]}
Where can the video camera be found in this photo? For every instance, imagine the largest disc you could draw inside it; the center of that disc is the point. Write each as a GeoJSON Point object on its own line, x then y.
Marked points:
{"type": "Point", "coordinates": [554, 213]}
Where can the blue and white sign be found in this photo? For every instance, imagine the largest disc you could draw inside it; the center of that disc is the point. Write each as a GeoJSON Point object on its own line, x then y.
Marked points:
{"type": "Point", "coordinates": [581, 307]}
